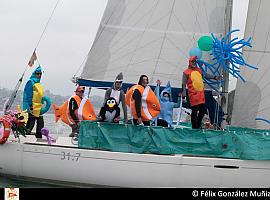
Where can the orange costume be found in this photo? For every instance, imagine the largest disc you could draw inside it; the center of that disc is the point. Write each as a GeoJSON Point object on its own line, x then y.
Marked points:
{"type": "Point", "coordinates": [192, 77]}
{"type": "Point", "coordinates": [84, 112]}
{"type": "Point", "coordinates": [150, 106]}
{"type": "Point", "coordinates": [195, 86]}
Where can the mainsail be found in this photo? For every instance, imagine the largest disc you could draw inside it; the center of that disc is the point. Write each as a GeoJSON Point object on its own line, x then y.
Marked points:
{"type": "Point", "coordinates": [252, 99]}
{"type": "Point", "coordinates": [151, 37]}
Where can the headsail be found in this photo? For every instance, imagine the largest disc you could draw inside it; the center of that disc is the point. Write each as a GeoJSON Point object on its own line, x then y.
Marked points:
{"type": "Point", "coordinates": [152, 37]}
{"type": "Point", "coordinates": [252, 99]}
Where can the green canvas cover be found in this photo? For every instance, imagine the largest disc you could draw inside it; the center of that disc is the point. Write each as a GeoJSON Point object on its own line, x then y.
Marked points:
{"type": "Point", "coordinates": [247, 144]}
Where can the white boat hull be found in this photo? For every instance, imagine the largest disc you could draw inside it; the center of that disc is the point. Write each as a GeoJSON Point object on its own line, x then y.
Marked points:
{"type": "Point", "coordinates": [66, 163]}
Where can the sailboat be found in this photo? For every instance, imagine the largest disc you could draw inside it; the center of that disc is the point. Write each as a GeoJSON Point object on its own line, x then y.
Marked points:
{"type": "Point", "coordinates": [153, 37]}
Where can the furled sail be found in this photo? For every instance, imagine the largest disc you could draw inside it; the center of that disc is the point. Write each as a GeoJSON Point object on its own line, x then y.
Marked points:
{"type": "Point", "coordinates": [151, 37]}
{"type": "Point", "coordinates": [252, 99]}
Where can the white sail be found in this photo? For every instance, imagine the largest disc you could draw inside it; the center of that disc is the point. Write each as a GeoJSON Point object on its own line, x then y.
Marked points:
{"type": "Point", "coordinates": [252, 99]}
{"type": "Point", "coordinates": [151, 37]}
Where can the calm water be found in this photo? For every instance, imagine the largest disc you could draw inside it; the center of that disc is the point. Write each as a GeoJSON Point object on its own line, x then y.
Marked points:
{"type": "Point", "coordinates": [59, 128]}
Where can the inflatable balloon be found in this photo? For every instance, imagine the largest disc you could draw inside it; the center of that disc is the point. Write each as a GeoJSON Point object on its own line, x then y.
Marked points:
{"type": "Point", "coordinates": [47, 106]}
{"type": "Point", "coordinates": [262, 119]}
{"type": "Point", "coordinates": [195, 51]}
{"type": "Point", "coordinates": [205, 43]}
{"type": "Point", "coordinates": [45, 132]}
{"type": "Point", "coordinates": [226, 55]}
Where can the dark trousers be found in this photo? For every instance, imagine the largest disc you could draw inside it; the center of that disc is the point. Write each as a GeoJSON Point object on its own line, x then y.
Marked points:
{"type": "Point", "coordinates": [75, 130]}
{"type": "Point", "coordinates": [161, 122]}
{"type": "Point", "coordinates": [197, 114]}
{"type": "Point", "coordinates": [146, 123]}
{"type": "Point", "coordinates": [31, 123]}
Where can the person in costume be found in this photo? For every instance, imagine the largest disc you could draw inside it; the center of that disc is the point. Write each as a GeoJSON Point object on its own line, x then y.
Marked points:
{"type": "Point", "coordinates": [110, 112]}
{"type": "Point", "coordinates": [33, 97]}
{"type": "Point", "coordinates": [143, 102]}
{"type": "Point", "coordinates": [118, 94]}
{"type": "Point", "coordinates": [75, 109]}
{"type": "Point", "coordinates": [165, 117]}
{"type": "Point", "coordinates": [193, 78]}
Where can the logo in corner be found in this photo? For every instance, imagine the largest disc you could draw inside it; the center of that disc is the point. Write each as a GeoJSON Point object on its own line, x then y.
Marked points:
{"type": "Point", "coordinates": [11, 193]}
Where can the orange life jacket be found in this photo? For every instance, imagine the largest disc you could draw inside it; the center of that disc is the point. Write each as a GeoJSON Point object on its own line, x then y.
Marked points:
{"type": "Point", "coordinates": [195, 86]}
{"type": "Point", "coordinates": [150, 106]}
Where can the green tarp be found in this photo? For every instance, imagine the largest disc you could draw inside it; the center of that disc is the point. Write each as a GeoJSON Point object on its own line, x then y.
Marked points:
{"type": "Point", "coordinates": [247, 144]}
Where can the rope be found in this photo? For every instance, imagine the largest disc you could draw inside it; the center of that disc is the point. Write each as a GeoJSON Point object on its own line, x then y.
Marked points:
{"type": "Point", "coordinates": [43, 32]}
{"type": "Point", "coordinates": [216, 116]}
{"type": "Point", "coordinates": [14, 93]}
{"type": "Point", "coordinates": [98, 36]}
{"type": "Point", "coordinates": [163, 41]}
{"type": "Point", "coordinates": [84, 60]}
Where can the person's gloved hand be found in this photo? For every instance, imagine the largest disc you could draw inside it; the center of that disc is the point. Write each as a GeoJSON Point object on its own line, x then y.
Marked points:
{"type": "Point", "coordinates": [117, 119]}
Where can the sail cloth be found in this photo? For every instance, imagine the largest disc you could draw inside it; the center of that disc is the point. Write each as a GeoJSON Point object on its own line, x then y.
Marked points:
{"type": "Point", "coordinates": [252, 99]}
{"type": "Point", "coordinates": [151, 37]}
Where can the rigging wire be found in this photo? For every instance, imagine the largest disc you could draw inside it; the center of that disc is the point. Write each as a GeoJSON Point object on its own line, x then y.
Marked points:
{"type": "Point", "coordinates": [142, 35]}
{"type": "Point", "coordinates": [43, 32]}
{"type": "Point", "coordinates": [45, 28]}
{"type": "Point", "coordinates": [163, 41]}
{"type": "Point", "coordinates": [84, 60]}
{"type": "Point", "coordinates": [96, 39]}
{"type": "Point", "coordinates": [13, 95]}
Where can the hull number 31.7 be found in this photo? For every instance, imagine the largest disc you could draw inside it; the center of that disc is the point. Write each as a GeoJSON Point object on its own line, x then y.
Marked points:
{"type": "Point", "coordinates": [69, 156]}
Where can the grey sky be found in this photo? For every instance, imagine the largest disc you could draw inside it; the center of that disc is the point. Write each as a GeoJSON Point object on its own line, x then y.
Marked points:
{"type": "Point", "coordinates": [64, 45]}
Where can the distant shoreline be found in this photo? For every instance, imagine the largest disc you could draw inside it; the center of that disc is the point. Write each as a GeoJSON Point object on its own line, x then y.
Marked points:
{"type": "Point", "coordinates": [55, 99]}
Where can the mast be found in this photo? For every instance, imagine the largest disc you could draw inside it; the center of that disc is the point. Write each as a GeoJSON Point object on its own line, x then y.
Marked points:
{"type": "Point", "coordinates": [225, 86]}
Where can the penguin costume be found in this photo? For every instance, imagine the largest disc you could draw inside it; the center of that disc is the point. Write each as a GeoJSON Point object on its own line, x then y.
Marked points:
{"type": "Point", "coordinates": [118, 94]}
{"type": "Point", "coordinates": [110, 112]}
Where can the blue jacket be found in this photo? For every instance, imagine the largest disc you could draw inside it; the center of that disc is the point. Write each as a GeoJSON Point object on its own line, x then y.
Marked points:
{"type": "Point", "coordinates": [166, 105]}
{"type": "Point", "coordinates": [28, 89]}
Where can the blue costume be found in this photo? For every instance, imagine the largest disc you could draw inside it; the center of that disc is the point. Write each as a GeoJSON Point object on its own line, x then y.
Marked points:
{"type": "Point", "coordinates": [165, 117]}
{"type": "Point", "coordinates": [28, 89]}
{"type": "Point", "coordinates": [32, 101]}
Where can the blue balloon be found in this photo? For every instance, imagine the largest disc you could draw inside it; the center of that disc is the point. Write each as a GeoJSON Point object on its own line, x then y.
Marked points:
{"type": "Point", "coordinates": [226, 55]}
{"type": "Point", "coordinates": [262, 119]}
{"type": "Point", "coordinates": [228, 51]}
{"type": "Point", "coordinates": [47, 106]}
{"type": "Point", "coordinates": [195, 51]}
